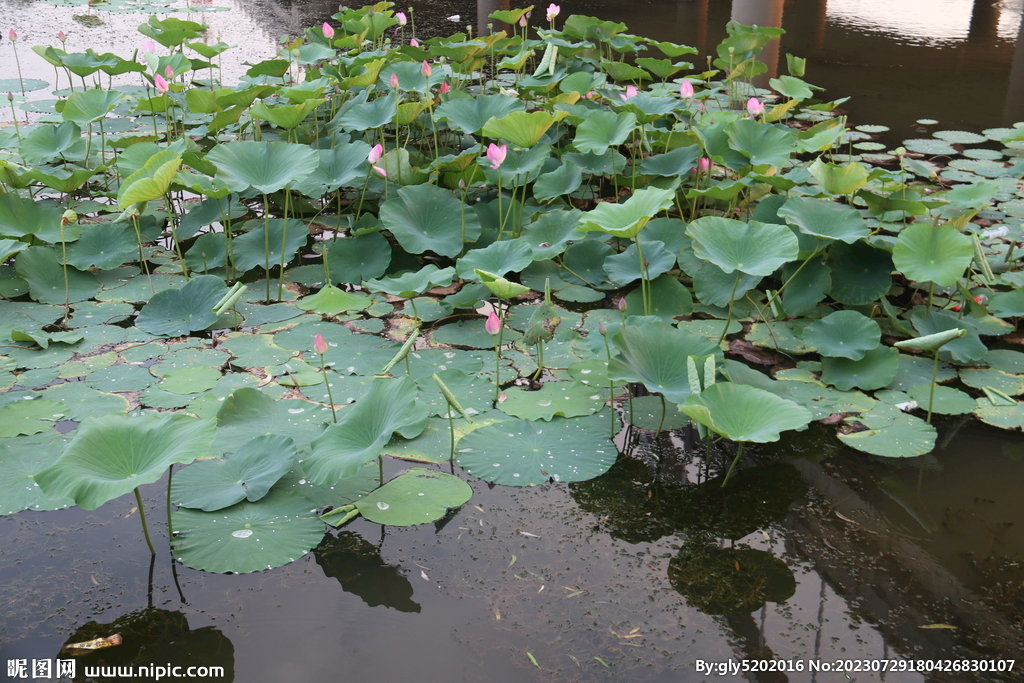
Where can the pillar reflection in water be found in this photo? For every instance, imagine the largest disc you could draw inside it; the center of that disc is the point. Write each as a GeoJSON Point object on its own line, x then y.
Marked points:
{"type": "Point", "coordinates": [1013, 109]}
{"type": "Point", "coordinates": [692, 19]}
{"type": "Point", "coordinates": [762, 13]}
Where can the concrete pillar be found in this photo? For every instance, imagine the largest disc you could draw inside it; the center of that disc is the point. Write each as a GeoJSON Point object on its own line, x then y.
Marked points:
{"type": "Point", "coordinates": [762, 13]}
{"type": "Point", "coordinates": [695, 13]}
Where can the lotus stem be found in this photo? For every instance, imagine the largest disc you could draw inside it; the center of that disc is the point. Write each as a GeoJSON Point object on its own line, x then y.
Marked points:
{"type": "Point", "coordinates": [501, 215]}
{"type": "Point", "coordinates": [14, 115]}
{"type": "Point", "coordinates": [931, 390]}
{"type": "Point", "coordinates": [663, 410]}
{"type": "Point", "coordinates": [645, 286]}
{"type": "Point", "coordinates": [739, 454]}
{"type": "Point", "coordinates": [266, 243]}
{"type": "Point", "coordinates": [14, 46]}
{"type": "Point", "coordinates": [327, 382]}
{"type": "Point", "coordinates": [170, 524]}
{"type": "Point", "coordinates": [611, 384]}
{"type": "Point", "coordinates": [142, 516]}
{"type": "Point", "coordinates": [451, 432]}
{"type": "Point", "coordinates": [284, 239]}
{"type": "Point", "coordinates": [403, 353]}
{"type": "Point", "coordinates": [728, 319]}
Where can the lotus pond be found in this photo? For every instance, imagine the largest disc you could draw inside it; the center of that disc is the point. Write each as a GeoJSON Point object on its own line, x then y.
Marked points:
{"type": "Point", "coordinates": [553, 329]}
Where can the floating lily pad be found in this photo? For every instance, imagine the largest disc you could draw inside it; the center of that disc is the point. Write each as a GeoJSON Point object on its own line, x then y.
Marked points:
{"type": "Point", "coordinates": [177, 312]}
{"type": "Point", "coordinates": [846, 334]}
{"type": "Point", "coordinates": [83, 401]}
{"type": "Point", "coordinates": [256, 350]}
{"type": "Point", "coordinates": [891, 433]}
{"type": "Point", "coordinates": [948, 401]}
{"type": "Point", "coordinates": [472, 334]}
{"type": "Point", "coordinates": [122, 377]}
{"type": "Point", "coordinates": [915, 370]}
{"type": "Point", "coordinates": [874, 370]}
{"type": "Point", "coordinates": [331, 301]}
{"type": "Point", "coordinates": [247, 537]}
{"type": "Point", "coordinates": [433, 444]}
{"type": "Point", "coordinates": [474, 393]}
{"type": "Point", "coordinates": [194, 380]}
{"type": "Point", "coordinates": [1003, 417]}
{"type": "Point", "coordinates": [20, 459]}
{"type": "Point", "coordinates": [246, 474]}
{"type": "Point", "coordinates": [979, 378]}
{"type": "Point", "coordinates": [524, 453]}
{"type": "Point", "coordinates": [30, 416]}
{"type": "Point", "coordinates": [929, 147]}
{"type": "Point", "coordinates": [567, 399]}
{"type": "Point", "coordinates": [961, 137]}
{"type": "Point", "coordinates": [248, 412]}
{"type": "Point", "coordinates": [414, 497]}
{"type": "Point", "coordinates": [39, 267]}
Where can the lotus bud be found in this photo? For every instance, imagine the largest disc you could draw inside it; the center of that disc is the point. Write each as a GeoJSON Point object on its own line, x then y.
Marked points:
{"type": "Point", "coordinates": [414, 43]}
{"type": "Point", "coordinates": [69, 217]}
{"type": "Point", "coordinates": [393, 81]}
{"type": "Point", "coordinates": [620, 304]}
{"type": "Point", "coordinates": [553, 11]}
{"type": "Point", "coordinates": [61, 36]}
{"type": "Point", "coordinates": [319, 345]}
{"type": "Point", "coordinates": [10, 96]}
{"type": "Point", "coordinates": [492, 324]}
{"type": "Point", "coordinates": [496, 155]}
{"type": "Point", "coordinates": [328, 30]}
{"type": "Point", "coordinates": [686, 90]}
{"type": "Point", "coordinates": [169, 72]}
{"type": "Point", "coordinates": [160, 83]}
{"type": "Point", "coordinates": [703, 165]}
{"type": "Point", "coordinates": [380, 171]}
{"type": "Point", "coordinates": [375, 154]}
{"type": "Point", "coordinates": [462, 183]}
{"type": "Point", "coordinates": [13, 35]}
{"type": "Point", "coordinates": [631, 91]}
{"type": "Point", "coordinates": [445, 88]}
{"type": "Point", "coordinates": [522, 20]}
{"type": "Point", "coordinates": [425, 69]}
{"type": "Point", "coordinates": [602, 329]}
{"type": "Point", "coordinates": [755, 107]}
{"type": "Point", "coordinates": [503, 397]}
{"type": "Point", "coordinates": [402, 19]}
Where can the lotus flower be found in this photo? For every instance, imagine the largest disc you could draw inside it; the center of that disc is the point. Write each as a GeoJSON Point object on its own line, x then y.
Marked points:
{"type": "Point", "coordinates": [413, 42]}
{"type": "Point", "coordinates": [425, 69]}
{"type": "Point", "coordinates": [686, 89]}
{"type": "Point", "coordinates": [160, 83]}
{"type": "Point", "coordinates": [631, 91]}
{"type": "Point", "coordinates": [553, 11]}
{"type": "Point", "coordinates": [380, 171]}
{"type": "Point", "coordinates": [149, 46]}
{"type": "Point", "coordinates": [492, 324]}
{"type": "Point", "coordinates": [375, 154]}
{"type": "Point", "coordinates": [319, 345]}
{"type": "Point", "coordinates": [402, 19]}
{"type": "Point", "coordinates": [328, 30]}
{"type": "Point", "coordinates": [755, 107]}
{"type": "Point", "coordinates": [445, 88]}
{"type": "Point", "coordinates": [456, 18]}
{"type": "Point", "coordinates": [169, 72]}
{"type": "Point", "coordinates": [393, 81]}
{"type": "Point", "coordinates": [522, 20]}
{"type": "Point", "coordinates": [496, 155]}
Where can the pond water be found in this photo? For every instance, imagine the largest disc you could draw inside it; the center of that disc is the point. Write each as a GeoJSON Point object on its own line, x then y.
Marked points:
{"type": "Point", "coordinates": [812, 553]}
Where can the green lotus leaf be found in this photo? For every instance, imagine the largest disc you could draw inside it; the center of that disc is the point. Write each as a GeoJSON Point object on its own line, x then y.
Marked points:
{"type": "Point", "coordinates": [178, 312]}
{"type": "Point", "coordinates": [1008, 304]}
{"type": "Point", "coordinates": [565, 179]}
{"type": "Point", "coordinates": [714, 287]}
{"type": "Point", "coordinates": [655, 354]}
{"type": "Point", "coordinates": [499, 286]}
{"type": "Point", "coordinates": [43, 339]}
{"type": "Point", "coordinates": [932, 254]}
{"type": "Point", "coordinates": [416, 496]}
{"type": "Point", "coordinates": [21, 459]}
{"type": "Point", "coordinates": [248, 412]}
{"type": "Point", "coordinates": [9, 248]}
{"type": "Point", "coordinates": [355, 259]}
{"type": "Point", "coordinates": [646, 413]}
{"type": "Point", "coordinates": [434, 443]}
{"type": "Point", "coordinates": [565, 399]}
{"type": "Point", "coordinates": [359, 114]}
{"type": "Point", "coordinates": [265, 166]}
{"type": "Point", "coordinates": [669, 298]}
{"type": "Point", "coordinates": [39, 267]}
{"type": "Point", "coordinates": [258, 247]}
{"type": "Point", "coordinates": [497, 258]}
{"type": "Point", "coordinates": [551, 233]}
{"type": "Point", "coordinates": [806, 288]}
{"type": "Point", "coordinates": [524, 453]}
{"type": "Point", "coordinates": [860, 273]}
{"type": "Point", "coordinates": [845, 334]}
{"type": "Point", "coordinates": [105, 246]}
{"type": "Point", "coordinates": [948, 401]}
{"type": "Point", "coordinates": [364, 429]}
{"type": "Point", "coordinates": [63, 179]}
{"type": "Point", "coordinates": [247, 537]}
{"type": "Point", "coordinates": [86, 106]}
{"type": "Point", "coordinates": [1001, 416]}
{"type": "Point", "coordinates": [246, 474]}
{"type": "Point", "coordinates": [678, 162]}
{"type": "Point", "coordinates": [624, 268]}
{"type": "Point", "coordinates": [874, 370]}
{"type": "Point", "coordinates": [740, 412]}
{"type": "Point", "coordinates": [891, 433]}
{"type": "Point", "coordinates": [824, 219]}
{"type": "Point", "coordinates": [629, 218]}
{"type": "Point", "coordinates": [48, 141]}
{"type": "Point", "coordinates": [342, 166]}
{"type": "Point", "coordinates": [257, 350]}
{"type": "Point", "coordinates": [474, 393]}
{"type": "Point", "coordinates": [603, 129]}
{"type": "Point", "coordinates": [961, 137]}
{"type": "Point", "coordinates": [30, 417]}
{"type": "Point", "coordinates": [471, 114]}
{"type": "Point", "coordinates": [975, 195]}
{"type": "Point", "coordinates": [762, 143]}
{"type": "Point", "coordinates": [150, 182]}
{"type": "Point", "coordinates": [331, 301]}
{"type": "Point", "coordinates": [963, 348]}
{"type": "Point", "coordinates": [837, 179]}
{"type": "Point", "coordinates": [426, 218]}
{"type": "Point", "coordinates": [521, 128]}
{"type": "Point", "coordinates": [411, 284]}
{"type": "Point", "coordinates": [83, 401]}
{"type": "Point", "coordinates": [753, 248]}
{"type": "Point", "coordinates": [111, 455]}
{"type": "Point", "coordinates": [190, 380]}
{"type": "Point", "coordinates": [979, 378]}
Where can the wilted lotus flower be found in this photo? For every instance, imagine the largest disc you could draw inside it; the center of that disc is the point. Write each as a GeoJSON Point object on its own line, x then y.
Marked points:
{"type": "Point", "coordinates": [393, 81]}
{"type": "Point", "coordinates": [425, 69]}
{"type": "Point", "coordinates": [402, 19]}
{"type": "Point", "coordinates": [319, 345]}
{"type": "Point", "coordinates": [375, 154]}
{"type": "Point", "coordinates": [631, 91]}
{"type": "Point", "coordinates": [496, 155]}
{"type": "Point", "coordinates": [755, 107]}
{"type": "Point", "coordinates": [553, 11]}
{"type": "Point", "coordinates": [492, 324]}
{"type": "Point", "coordinates": [328, 30]}
{"type": "Point", "coordinates": [160, 83]}
{"type": "Point", "coordinates": [686, 89]}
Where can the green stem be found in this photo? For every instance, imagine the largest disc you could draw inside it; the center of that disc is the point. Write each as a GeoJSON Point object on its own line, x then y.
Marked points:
{"type": "Point", "coordinates": [611, 387]}
{"type": "Point", "coordinates": [663, 410]}
{"type": "Point", "coordinates": [931, 391]}
{"type": "Point", "coordinates": [170, 525]}
{"type": "Point", "coordinates": [266, 243]}
{"type": "Point", "coordinates": [645, 288]}
{"type": "Point", "coordinates": [739, 454]}
{"type": "Point", "coordinates": [451, 431]}
{"type": "Point", "coordinates": [501, 215]}
{"type": "Point", "coordinates": [142, 516]}
{"type": "Point", "coordinates": [327, 381]}
{"type": "Point", "coordinates": [728, 318]}
{"type": "Point", "coordinates": [284, 240]}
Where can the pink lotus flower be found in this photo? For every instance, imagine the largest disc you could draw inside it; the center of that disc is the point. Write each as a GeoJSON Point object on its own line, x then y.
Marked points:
{"type": "Point", "coordinates": [375, 154]}
{"type": "Point", "coordinates": [393, 81]}
{"type": "Point", "coordinates": [160, 83]}
{"type": "Point", "coordinates": [13, 35]}
{"type": "Point", "coordinates": [414, 43]}
{"type": "Point", "coordinates": [686, 89]}
{"type": "Point", "coordinates": [755, 107]}
{"type": "Point", "coordinates": [553, 11]}
{"type": "Point", "coordinates": [328, 30]}
{"type": "Point", "coordinates": [402, 19]}
{"type": "Point", "coordinates": [631, 91]}
{"type": "Point", "coordinates": [61, 36]}
{"type": "Point", "coordinates": [496, 155]}
{"type": "Point", "coordinates": [493, 324]}
{"type": "Point", "coordinates": [425, 69]}
{"type": "Point", "coordinates": [380, 171]}
{"type": "Point", "coordinates": [319, 345]}
{"type": "Point", "coordinates": [445, 88]}
{"type": "Point", "coordinates": [703, 165]}
{"type": "Point", "coordinates": [149, 46]}
{"type": "Point", "coordinates": [522, 20]}
{"type": "Point", "coordinates": [169, 72]}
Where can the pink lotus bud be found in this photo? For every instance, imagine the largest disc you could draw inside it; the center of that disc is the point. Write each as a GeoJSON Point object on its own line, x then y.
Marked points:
{"type": "Point", "coordinates": [402, 19]}
{"type": "Point", "coordinates": [328, 30]}
{"type": "Point", "coordinates": [425, 69]}
{"type": "Point", "coordinates": [13, 35]}
{"type": "Point", "coordinates": [160, 83]}
{"type": "Point", "coordinates": [602, 329]}
{"type": "Point", "coordinates": [414, 43]}
{"type": "Point", "coordinates": [319, 345]}
{"type": "Point", "coordinates": [503, 397]}
{"type": "Point", "coordinates": [10, 96]}
{"type": "Point", "coordinates": [522, 20]}
{"type": "Point", "coordinates": [553, 11]}
{"type": "Point", "coordinates": [755, 107]}
{"type": "Point", "coordinates": [630, 92]}
{"type": "Point", "coordinates": [590, 95]}
{"type": "Point", "coordinates": [445, 88]}
{"type": "Point", "coordinates": [380, 171]}
{"type": "Point", "coordinates": [393, 81]}
{"type": "Point", "coordinates": [496, 155]}
{"type": "Point", "coordinates": [375, 154]}
{"type": "Point", "coordinates": [620, 304]}
{"type": "Point", "coordinates": [703, 165]}
{"type": "Point", "coordinates": [686, 89]}
{"type": "Point", "coordinates": [493, 324]}
{"type": "Point", "coordinates": [149, 46]}
{"type": "Point", "coordinates": [61, 36]}
{"type": "Point", "coordinates": [169, 72]}
{"type": "Point", "coordinates": [462, 183]}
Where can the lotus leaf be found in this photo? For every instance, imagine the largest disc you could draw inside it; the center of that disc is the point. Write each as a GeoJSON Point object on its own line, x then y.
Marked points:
{"type": "Point", "coordinates": [948, 401]}
{"type": "Point", "coordinates": [932, 254]}
{"type": "Point", "coordinates": [845, 334]}
{"type": "Point", "coordinates": [246, 474]}
{"type": "Point", "coordinates": [876, 369]}
{"type": "Point", "coordinates": [39, 267]}
{"type": "Point", "coordinates": [30, 417]}
{"type": "Point", "coordinates": [177, 312]}
{"type": "Point", "coordinates": [654, 354]}
{"type": "Point", "coordinates": [565, 399]}
{"type": "Point", "coordinates": [264, 166]}
{"type": "Point", "coordinates": [824, 219]}
{"type": "Point", "coordinates": [426, 218]}
{"type": "Point", "coordinates": [891, 433]}
{"type": "Point", "coordinates": [629, 218]}
{"type": "Point", "coordinates": [741, 412]}
{"type": "Point", "coordinates": [498, 258]}
{"type": "Point", "coordinates": [753, 248]}
{"type": "Point", "coordinates": [860, 273]}
{"type": "Point", "coordinates": [624, 268]}
{"type": "Point", "coordinates": [414, 497]}
{"type": "Point", "coordinates": [521, 128]}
